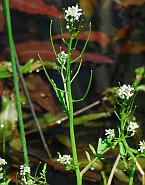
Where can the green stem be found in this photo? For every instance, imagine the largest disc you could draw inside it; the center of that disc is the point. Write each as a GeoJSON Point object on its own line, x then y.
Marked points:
{"type": "Point", "coordinates": [91, 163]}
{"type": "Point", "coordinates": [128, 149]}
{"type": "Point", "coordinates": [88, 166]}
{"type": "Point", "coordinates": [132, 174]}
{"type": "Point", "coordinates": [15, 80]}
{"type": "Point", "coordinates": [70, 112]}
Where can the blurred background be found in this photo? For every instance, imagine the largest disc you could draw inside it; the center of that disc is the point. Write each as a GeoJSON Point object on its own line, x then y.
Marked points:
{"type": "Point", "coordinates": [115, 49]}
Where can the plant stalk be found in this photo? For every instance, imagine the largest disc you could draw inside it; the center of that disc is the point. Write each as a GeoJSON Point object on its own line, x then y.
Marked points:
{"type": "Point", "coordinates": [15, 80]}
{"type": "Point", "coordinates": [70, 112]}
{"type": "Point", "coordinates": [132, 174]}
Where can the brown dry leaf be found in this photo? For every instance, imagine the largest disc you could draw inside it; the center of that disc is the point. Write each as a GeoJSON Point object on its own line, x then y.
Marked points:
{"type": "Point", "coordinates": [131, 47]}
{"type": "Point", "coordinates": [122, 33]}
{"type": "Point", "coordinates": [88, 6]}
{"type": "Point", "coordinates": [126, 3]}
{"type": "Point", "coordinates": [40, 93]}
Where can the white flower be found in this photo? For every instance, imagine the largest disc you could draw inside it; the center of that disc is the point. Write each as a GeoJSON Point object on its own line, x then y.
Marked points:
{"type": "Point", "coordinates": [24, 169]}
{"type": "Point", "coordinates": [142, 146]}
{"type": "Point", "coordinates": [110, 132]}
{"type": "Point", "coordinates": [131, 127]}
{"type": "Point", "coordinates": [73, 13]}
{"type": "Point", "coordinates": [62, 57]}
{"type": "Point", "coordinates": [2, 162]}
{"type": "Point", "coordinates": [25, 182]}
{"type": "Point", "coordinates": [64, 159]}
{"type": "Point", "coordinates": [125, 91]}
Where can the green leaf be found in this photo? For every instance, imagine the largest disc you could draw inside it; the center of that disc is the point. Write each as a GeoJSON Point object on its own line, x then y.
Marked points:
{"type": "Point", "coordinates": [4, 72]}
{"type": "Point", "coordinates": [61, 96]}
{"type": "Point", "coordinates": [27, 67]}
{"type": "Point", "coordinates": [32, 65]}
{"type": "Point", "coordinates": [92, 149]}
{"type": "Point", "coordinates": [44, 168]}
{"type": "Point", "coordinates": [141, 87]}
{"type": "Point", "coordinates": [59, 93]}
{"type": "Point", "coordinates": [122, 149]}
{"type": "Point", "coordinates": [88, 156]}
{"type": "Point", "coordinates": [134, 150]}
{"type": "Point", "coordinates": [89, 117]}
{"type": "Point", "coordinates": [102, 146]}
{"type": "Point", "coordinates": [140, 70]}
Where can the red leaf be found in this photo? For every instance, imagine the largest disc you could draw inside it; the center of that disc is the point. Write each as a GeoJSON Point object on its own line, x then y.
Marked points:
{"type": "Point", "coordinates": [32, 48]}
{"type": "Point", "coordinates": [1, 87]}
{"type": "Point", "coordinates": [35, 7]}
{"type": "Point", "coordinates": [95, 36]}
{"type": "Point", "coordinates": [1, 17]}
{"type": "Point", "coordinates": [131, 47]}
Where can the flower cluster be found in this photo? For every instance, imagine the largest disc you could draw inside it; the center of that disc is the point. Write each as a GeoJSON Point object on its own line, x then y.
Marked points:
{"type": "Point", "coordinates": [132, 127]}
{"type": "Point", "coordinates": [72, 16]}
{"type": "Point", "coordinates": [64, 159]}
{"type": "Point", "coordinates": [110, 132]}
{"type": "Point", "coordinates": [73, 13]}
{"type": "Point", "coordinates": [2, 162]}
{"type": "Point", "coordinates": [142, 146]}
{"type": "Point", "coordinates": [62, 57]}
{"type": "Point", "coordinates": [125, 91]}
{"type": "Point", "coordinates": [24, 169]}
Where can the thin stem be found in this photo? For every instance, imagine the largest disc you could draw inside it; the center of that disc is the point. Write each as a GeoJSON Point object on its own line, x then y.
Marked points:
{"type": "Point", "coordinates": [104, 177]}
{"type": "Point", "coordinates": [86, 90]}
{"type": "Point", "coordinates": [15, 81]}
{"type": "Point", "coordinates": [113, 169]}
{"type": "Point", "coordinates": [70, 112]}
{"type": "Point", "coordinates": [76, 73]}
{"type": "Point", "coordinates": [48, 77]}
{"type": "Point", "coordinates": [51, 39]}
{"type": "Point", "coordinates": [88, 166]}
{"type": "Point", "coordinates": [62, 35]}
{"type": "Point", "coordinates": [78, 112]}
{"type": "Point", "coordinates": [134, 159]}
{"type": "Point", "coordinates": [65, 88]}
{"type": "Point", "coordinates": [24, 87]}
{"type": "Point", "coordinates": [85, 45]}
{"type": "Point", "coordinates": [132, 174]}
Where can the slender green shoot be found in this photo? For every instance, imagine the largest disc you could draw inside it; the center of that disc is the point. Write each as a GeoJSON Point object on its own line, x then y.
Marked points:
{"type": "Point", "coordinates": [15, 80]}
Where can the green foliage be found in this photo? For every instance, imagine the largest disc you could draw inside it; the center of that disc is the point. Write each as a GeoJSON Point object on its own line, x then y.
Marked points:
{"type": "Point", "coordinates": [102, 146]}
{"type": "Point", "coordinates": [88, 156]}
